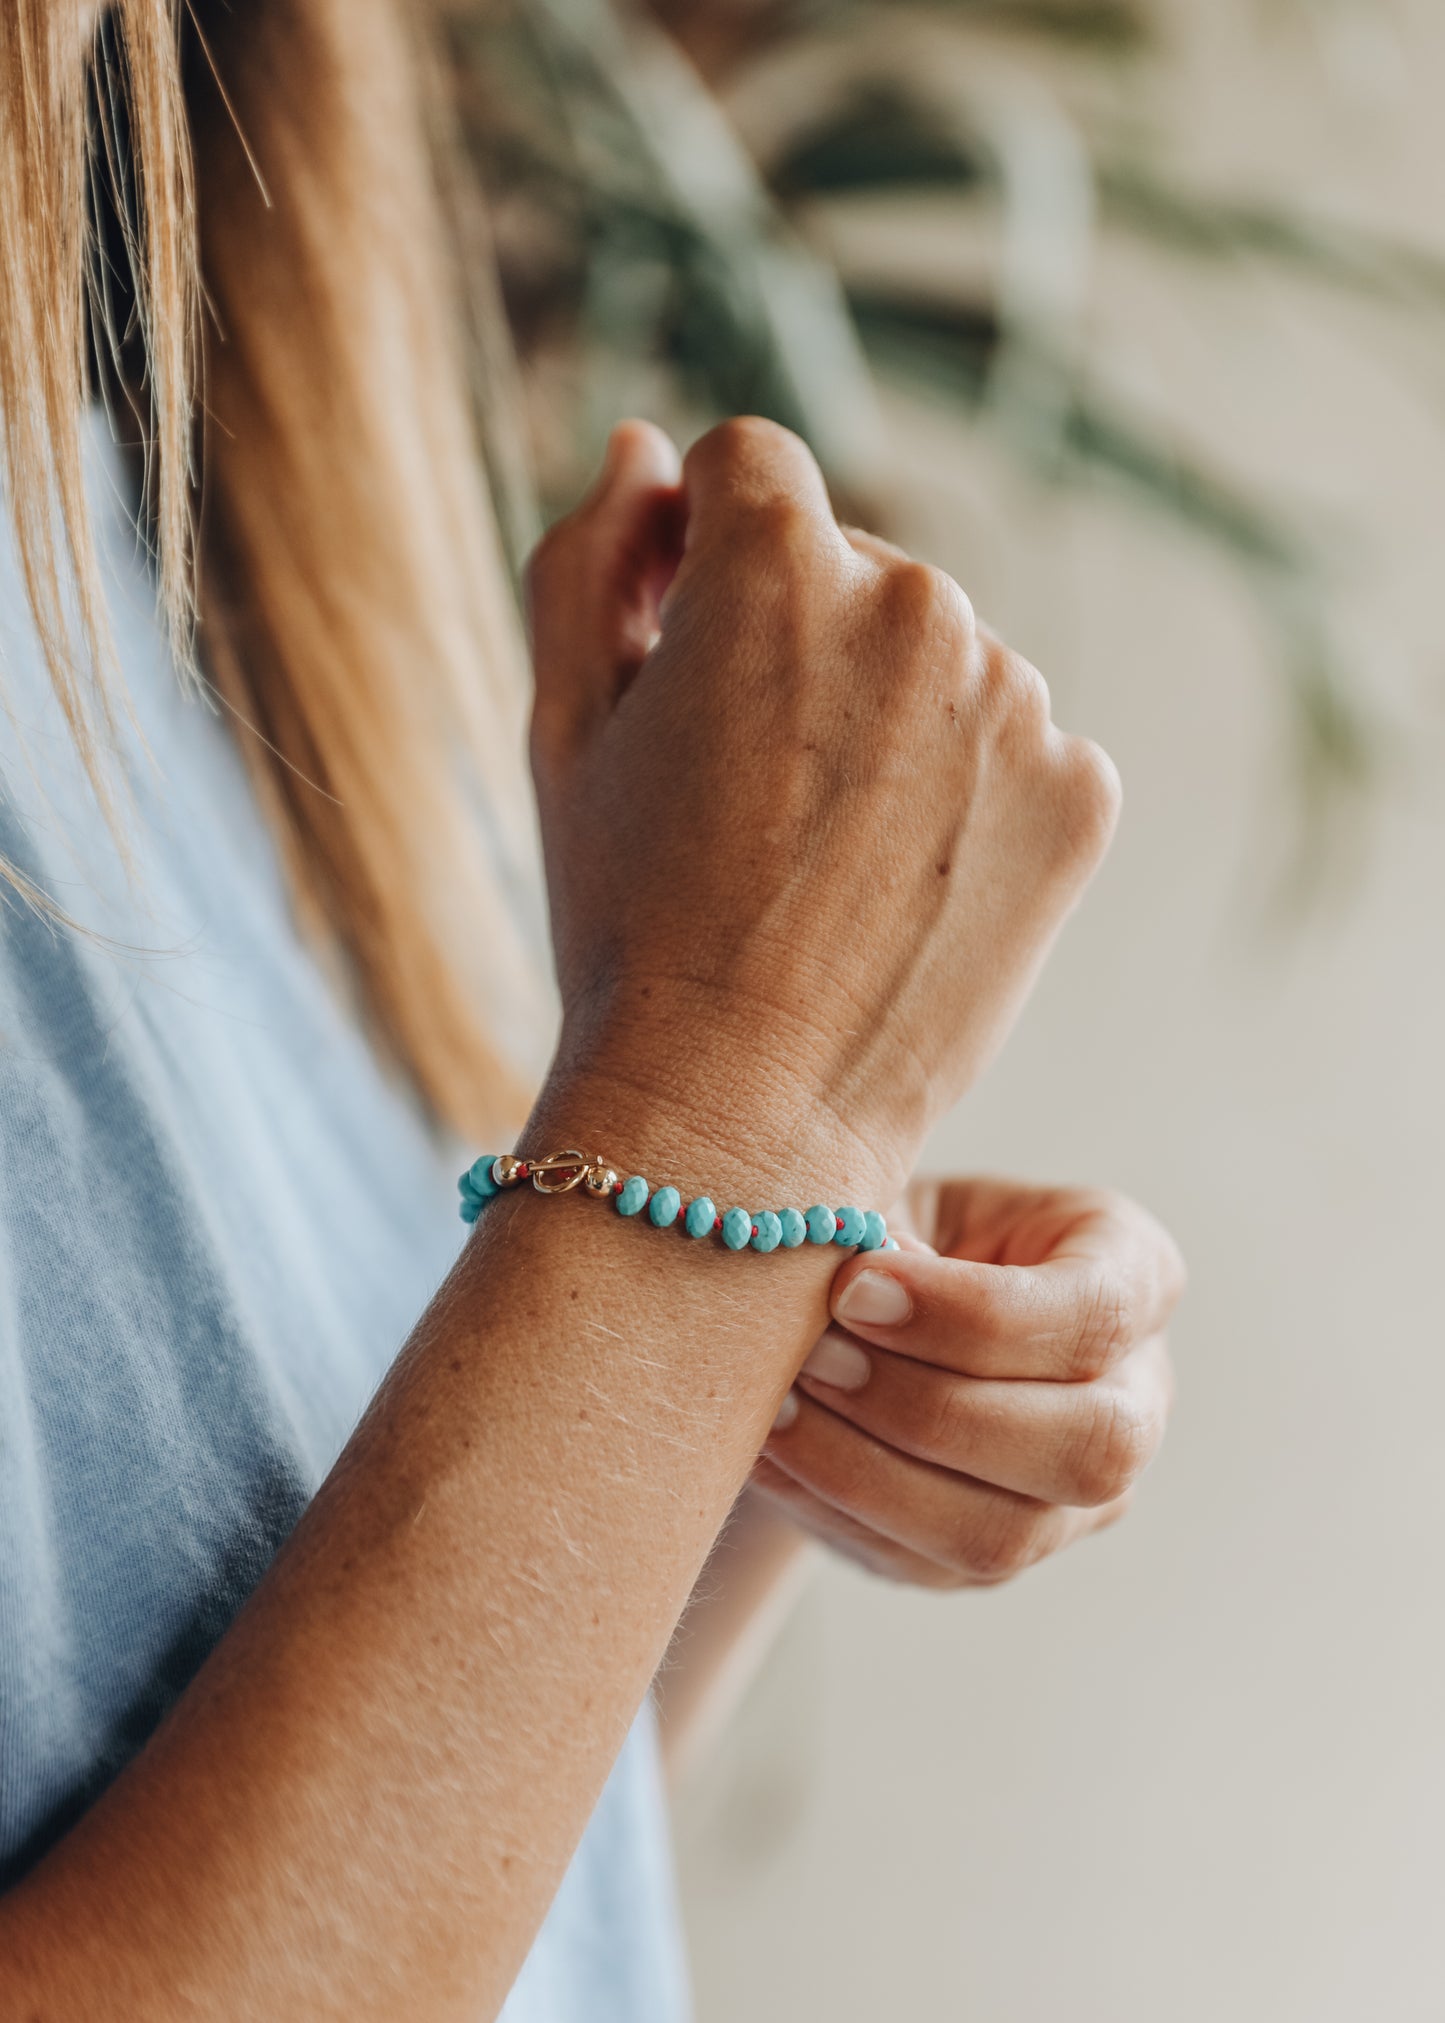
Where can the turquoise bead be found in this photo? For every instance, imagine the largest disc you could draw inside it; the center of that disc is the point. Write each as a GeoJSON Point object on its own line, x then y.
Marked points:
{"type": "Point", "coordinates": [471, 1208]}
{"type": "Point", "coordinates": [822, 1223]}
{"type": "Point", "coordinates": [794, 1226]}
{"type": "Point", "coordinates": [480, 1176]}
{"type": "Point", "coordinates": [768, 1230]}
{"type": "Point", "coordinates": [875, 1231]}
{"type": "Point", "coordinates": [701, 1217]}
{"type": "Point", "coordinates": [665, 1205]}
{"type": "Point", "coordinates": [633, 1198]}
{"type": "Point", "coordinates": [891, 1244]}
{"type": "Point", "coordinates": [850, 1226]}
{"type": "Point", "coordinates": [737, 1229]}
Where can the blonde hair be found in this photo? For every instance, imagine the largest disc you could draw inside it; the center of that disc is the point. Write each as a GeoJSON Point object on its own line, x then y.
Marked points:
{"type": "Point", "coordinates": [323, 539]}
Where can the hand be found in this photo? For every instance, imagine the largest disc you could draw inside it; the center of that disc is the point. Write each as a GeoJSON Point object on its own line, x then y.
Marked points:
{"type": "Point", "coordinates": [988, 1396]}
{"type": "Point", "coordinates": [809, 832]}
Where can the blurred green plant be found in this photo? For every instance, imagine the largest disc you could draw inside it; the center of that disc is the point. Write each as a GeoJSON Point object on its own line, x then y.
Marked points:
{"type": "Point", "coordinates": [651, 260]}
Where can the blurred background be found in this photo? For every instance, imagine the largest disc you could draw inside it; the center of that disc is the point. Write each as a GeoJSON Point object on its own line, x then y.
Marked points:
{"type": "Point", "coordinates": [1132, 315]}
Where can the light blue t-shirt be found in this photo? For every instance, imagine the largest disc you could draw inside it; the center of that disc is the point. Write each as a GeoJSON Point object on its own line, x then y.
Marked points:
{"type": "Point", "coordinates": [218, 1219]}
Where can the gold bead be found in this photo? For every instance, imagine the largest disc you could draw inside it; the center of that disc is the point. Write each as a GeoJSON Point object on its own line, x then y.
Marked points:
{"type": "Point", "coordinates": [599, 1179]}
{"type": "Point", "coordinates": [507, 1169]}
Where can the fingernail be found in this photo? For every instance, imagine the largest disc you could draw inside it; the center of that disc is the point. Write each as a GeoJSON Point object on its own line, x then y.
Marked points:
{"type": "Point", "coordinates": [874, 1299]}
{"type": "Point", "coordinates": [787, 1413]}
{"type": "Point", "coordinates": [840, 1361]}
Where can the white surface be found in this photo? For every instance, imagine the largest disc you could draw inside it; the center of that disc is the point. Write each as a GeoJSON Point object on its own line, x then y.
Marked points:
{"type": "Point", "coordinates": [1194, 1770]}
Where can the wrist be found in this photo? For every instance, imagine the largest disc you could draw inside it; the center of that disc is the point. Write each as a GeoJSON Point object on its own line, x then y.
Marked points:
{"type": "Point", "coordinates": [708, 1110]}
{"type": "Point", "coordinates": [773, 1309]}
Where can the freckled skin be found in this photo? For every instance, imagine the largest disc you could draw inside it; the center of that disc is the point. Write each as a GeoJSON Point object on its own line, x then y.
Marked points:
{"type": "Point", "coordinates": [364, 1803]}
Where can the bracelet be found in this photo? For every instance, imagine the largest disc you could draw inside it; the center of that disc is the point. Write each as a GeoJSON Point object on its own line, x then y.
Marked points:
{"type": "Point", "coordinates": [493, 1174]}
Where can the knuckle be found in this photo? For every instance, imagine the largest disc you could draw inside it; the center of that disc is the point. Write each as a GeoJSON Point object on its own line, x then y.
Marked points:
{"type": "Point", "coordinates": [988, 1310]}
{"type": "Point", "coordinates": [1167, 1271]}
{"type": "Point", "coordinates": [1102, 1332]}
{"type": "Point", "coordinates": [1116, 1447]}
{"type": "Point", "coordinates": [938, 1421]}
{"type": "Point", "coordinates": [928, 603]}
{"type": "Point", "coordinates": [747, 433]}
{"type": "Point", "coordinates": [1018, 691]}
{"type": "Point", "coordinates": [1001, 1549]}
{"type": "Point", "coordinates": [736, 445]}
{"type": "Point", "coordinates": [1090, 798]}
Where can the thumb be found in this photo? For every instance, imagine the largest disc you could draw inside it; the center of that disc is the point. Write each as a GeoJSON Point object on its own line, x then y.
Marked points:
{"type": "Point", "coordinates": [595, 581]}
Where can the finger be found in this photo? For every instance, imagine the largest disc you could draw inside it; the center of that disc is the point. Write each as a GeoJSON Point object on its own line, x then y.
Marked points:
{"type": "Point", "coordinates": [749, 476]}
{"type": "Point", "coordinates": [888, 554]}
{"type": "Point", "coordinates": [990, 1534]}
{"type": "Point", "coordinates": [1080, 1444]}
{"type": "Point", "coordinates": [596, 580]}
{"type": "Point", "coordinates": [843, 1534]}
{"type": "Point", "coordinates": [1110, 1281]}
{"type": "Point", "coordinates": [1002, 1221]}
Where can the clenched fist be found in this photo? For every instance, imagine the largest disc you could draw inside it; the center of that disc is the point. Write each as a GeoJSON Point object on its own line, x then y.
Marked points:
{"type": "Point", "coordinates": [809, 829]}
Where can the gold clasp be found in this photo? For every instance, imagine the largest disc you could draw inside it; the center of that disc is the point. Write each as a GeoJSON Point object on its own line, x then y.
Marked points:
{"type": "Point", "coordinates": [559, 1174]}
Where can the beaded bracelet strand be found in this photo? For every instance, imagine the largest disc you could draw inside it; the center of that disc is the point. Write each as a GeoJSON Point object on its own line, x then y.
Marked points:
{"type": "Point", "coordinates": [785, 1229]}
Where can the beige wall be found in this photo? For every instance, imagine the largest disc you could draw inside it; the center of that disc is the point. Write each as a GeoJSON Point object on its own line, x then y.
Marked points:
{"type": "Point", "coordinates": [1196, 1769]}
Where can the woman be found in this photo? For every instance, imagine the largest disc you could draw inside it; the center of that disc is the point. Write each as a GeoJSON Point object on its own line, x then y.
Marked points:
{"type": "Point", "coordinates": [808, 836]}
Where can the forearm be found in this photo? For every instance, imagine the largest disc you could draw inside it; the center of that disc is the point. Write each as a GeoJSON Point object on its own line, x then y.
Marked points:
{"type": "Point", "coordinates": [365, 1802]}
{"type": "Point", "coordinates": [743, 1597]}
